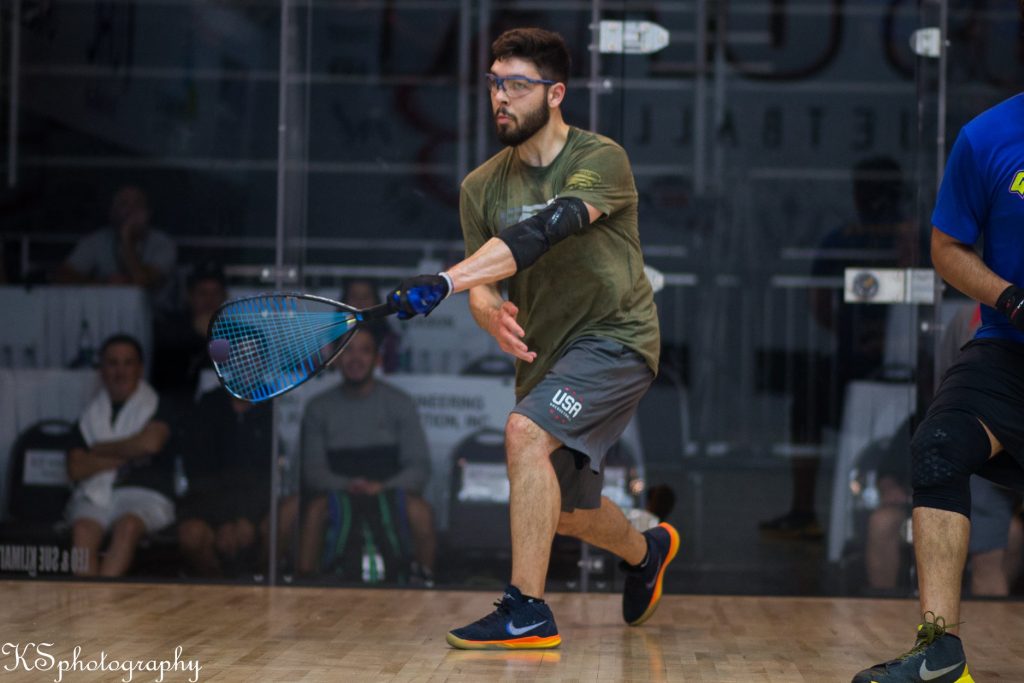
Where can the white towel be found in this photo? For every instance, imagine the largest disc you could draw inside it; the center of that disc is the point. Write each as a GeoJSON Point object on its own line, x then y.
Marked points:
{"type": "Point", "coordinates": [97, 428]}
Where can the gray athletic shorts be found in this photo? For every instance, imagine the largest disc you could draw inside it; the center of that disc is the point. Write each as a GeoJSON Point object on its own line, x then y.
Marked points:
{"type": "Point", "coordinates": [585, 401]}
{"type": "Point", "coordinates": [992, 508]}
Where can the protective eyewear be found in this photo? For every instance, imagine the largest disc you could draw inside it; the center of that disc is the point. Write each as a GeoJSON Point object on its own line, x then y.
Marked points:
{"type": "Point", "coordinates": [514, 86]}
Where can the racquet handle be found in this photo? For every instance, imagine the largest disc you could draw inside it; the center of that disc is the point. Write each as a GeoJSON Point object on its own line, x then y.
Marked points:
{"type": "Point", "coordinates": [375, 312]}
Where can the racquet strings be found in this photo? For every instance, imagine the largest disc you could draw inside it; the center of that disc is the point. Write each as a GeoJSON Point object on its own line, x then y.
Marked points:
{"type": "Point", "coordinates": [276, 342]}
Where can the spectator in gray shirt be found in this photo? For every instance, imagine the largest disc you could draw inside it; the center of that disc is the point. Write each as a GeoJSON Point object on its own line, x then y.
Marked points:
{"type": "Point", "coordinates": [127, 252]}
{"type": "Point", "coordinates": [364, 438]}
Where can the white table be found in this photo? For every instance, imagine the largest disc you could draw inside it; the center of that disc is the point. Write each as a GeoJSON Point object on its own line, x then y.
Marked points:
{"type": "Point", "coordinates": [28, 396]}
{"type": "Point", "coordinates": [43, 325]}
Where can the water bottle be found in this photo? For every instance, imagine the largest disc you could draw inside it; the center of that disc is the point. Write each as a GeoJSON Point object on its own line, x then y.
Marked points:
{"type": "Point", "coordinates": [180, 479]}
{"type": "Point", "coordinates": [86, 348]}
{"type": "Point", "coordinates": [871, 496]}
{"type": "Point", "coordinates": [373, 562]}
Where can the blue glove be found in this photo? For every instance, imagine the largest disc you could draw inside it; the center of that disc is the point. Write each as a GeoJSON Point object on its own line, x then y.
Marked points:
{"type": "Point", "coordinates": [419, 295]}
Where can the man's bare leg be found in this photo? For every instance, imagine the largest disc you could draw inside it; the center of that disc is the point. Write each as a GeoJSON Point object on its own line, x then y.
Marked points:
{"type": "Point", "coordinates": [124, 539]}
{"type": "Point", "coordinates": [311, 540]}
{"type": "Point", "coordinates": [196, 540]}
{"type": "Point", "coordinates": [988, 574]}
{"type": "Point", "coordinates": [605, 527]}
{"type": "Point", "coordinates": [940, 545]}
{"type": "Point", "coordinates": [87, 536]}
{"type": "Point", "coordinates": [421, 525]}
{"type": "Point", "coordinates": [1012, 562]}
{"type": "Point", "coordinates": [534, 501]}
{"type": "Point", "coordinates": [882, 549]}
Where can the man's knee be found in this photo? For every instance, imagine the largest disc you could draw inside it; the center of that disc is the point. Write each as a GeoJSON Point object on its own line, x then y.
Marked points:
{"type": "Point", "coordinates": [316, 509]}
{"type": "Point", "coordinates": [194, 533]}
{"type": "Point", "coordinates": [418, 509]}
{"type": "Point", "coordinates": [887, 519]}
{"type": "Point", "coordinates": [945, 451]}
{"type": "Point", "coordinates": [520, 430]}
{"type": "Point", "coordinates": [525, 440]}
{"type": "Point", "coordinates": [86, 529]}
{"type": "Point", "coordinates": [569, 523]}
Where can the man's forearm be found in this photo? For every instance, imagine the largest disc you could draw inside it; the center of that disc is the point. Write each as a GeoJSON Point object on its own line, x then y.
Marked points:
{"type": "Point", "coordinates": [140, 273]}
{"type": "Point", "coordinates": [960, 266]}
{"type": "Point", "coordinates": [66, 274]}
{"type": "Point", "coordinates": [412, 478]}
{"type": "Point", "coordinates": [317, 474]}
{"type": "Point", "coordinates": [483, 302]}
{"type": "Point", "coordinates": [149, 441]}
{"type": "Point", "coordinates": [122, 451]}
{"type": "Point", "coordinates": [87, 464]}
{"type": "Point", "coordinates": [491, 263]}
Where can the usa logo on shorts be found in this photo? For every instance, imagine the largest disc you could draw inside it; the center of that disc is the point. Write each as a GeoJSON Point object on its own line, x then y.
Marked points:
{"type": "Point", "coordinates": [565, 405]}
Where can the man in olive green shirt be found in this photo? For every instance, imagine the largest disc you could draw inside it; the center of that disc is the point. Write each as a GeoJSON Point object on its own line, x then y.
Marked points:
{"type": "Point", "coordinates": [555, 213]}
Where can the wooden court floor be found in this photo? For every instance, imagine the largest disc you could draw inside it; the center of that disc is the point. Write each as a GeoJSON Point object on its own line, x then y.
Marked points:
{"type": "Point", "coordinates": [241, 633]}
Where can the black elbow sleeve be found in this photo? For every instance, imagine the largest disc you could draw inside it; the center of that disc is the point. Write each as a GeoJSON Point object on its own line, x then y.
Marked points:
{"type": "Point", "coordinates": [528, 240]}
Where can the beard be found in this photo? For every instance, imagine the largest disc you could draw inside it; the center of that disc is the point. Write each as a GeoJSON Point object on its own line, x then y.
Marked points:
{"type": "Point", "coordinates": [530, 122]}
{"type": "Point", "coordinates": [358, 380]}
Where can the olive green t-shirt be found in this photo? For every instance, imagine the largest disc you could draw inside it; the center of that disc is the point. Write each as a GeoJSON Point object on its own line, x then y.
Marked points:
{"type": "Point", "coordinates": [589, 285]}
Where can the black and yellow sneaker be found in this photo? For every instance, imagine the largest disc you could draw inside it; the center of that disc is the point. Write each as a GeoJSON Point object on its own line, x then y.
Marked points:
{"type": "Point", "coordinates": [937, 657]}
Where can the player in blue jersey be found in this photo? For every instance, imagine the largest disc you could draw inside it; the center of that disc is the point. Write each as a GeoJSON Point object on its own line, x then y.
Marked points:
{"type": "Point", "coordinates": [975, 424]}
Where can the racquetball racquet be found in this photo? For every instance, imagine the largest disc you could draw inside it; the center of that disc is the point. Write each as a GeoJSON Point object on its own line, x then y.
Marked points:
{"type": "Point", "coordinates": [264, 345]}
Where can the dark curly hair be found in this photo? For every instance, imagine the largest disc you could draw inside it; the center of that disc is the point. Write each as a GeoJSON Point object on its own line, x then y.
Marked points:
{"type": "Point", "coordinates": [546, 49]}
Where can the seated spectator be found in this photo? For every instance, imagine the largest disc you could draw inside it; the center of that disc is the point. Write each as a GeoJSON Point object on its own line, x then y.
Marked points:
{"type": "Point", "coordinates": [995, 545]}
{"type": "Point", "coordinates": [361, 440]}
{"type": "Point", "coordinates": [361, 292]}
{"type": "Point", "coordinates": [179, 338]}
{"type": "Point", "coordinates": [126, 252]}
{"type": "Point", "coordinates": [227, 448]}
{"type": "Point", "coordinates": [122, 471]}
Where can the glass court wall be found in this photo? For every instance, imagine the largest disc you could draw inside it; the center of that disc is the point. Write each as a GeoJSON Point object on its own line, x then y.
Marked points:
{"type": "Point", "coordinates": [319, 146]}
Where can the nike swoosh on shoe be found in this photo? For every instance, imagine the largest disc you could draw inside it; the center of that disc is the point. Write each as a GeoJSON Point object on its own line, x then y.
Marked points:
{"type": "Point", "coordinates": [650, 584]}
{"type": "Point", "coordinates": [927, 674]}
{"type": "Point", "coordinates": [511, 628]}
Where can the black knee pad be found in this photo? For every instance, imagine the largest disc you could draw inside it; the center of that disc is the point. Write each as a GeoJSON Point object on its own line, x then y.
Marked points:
{"type": "Point", "coordinates": [946, 450]}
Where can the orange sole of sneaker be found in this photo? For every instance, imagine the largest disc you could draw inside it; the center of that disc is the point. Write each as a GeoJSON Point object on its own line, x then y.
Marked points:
{"type": "Point", "coordinates": [529, 643]}
{"type": "Point", "coordinates": [656, 598]}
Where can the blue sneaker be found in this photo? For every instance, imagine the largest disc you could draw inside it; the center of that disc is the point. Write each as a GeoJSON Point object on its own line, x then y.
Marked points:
{"type": "Point", "coordinates": [937, 657]}
{"type": "Point", "coordinates": [516, 624]}
{"type": "Point", "coordinates": [642, 593]}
